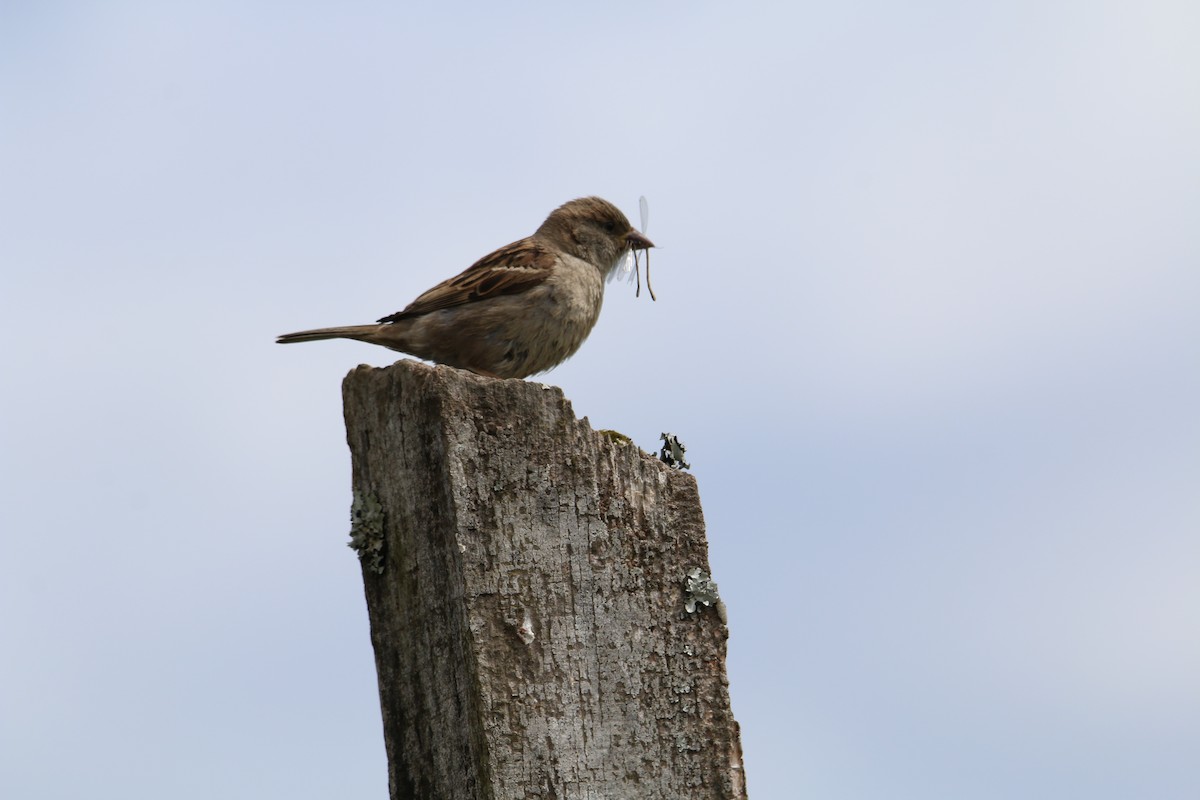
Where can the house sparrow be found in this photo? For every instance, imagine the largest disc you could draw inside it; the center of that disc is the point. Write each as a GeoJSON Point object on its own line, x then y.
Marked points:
{"type": "Point", "coordinates": [521, 310]}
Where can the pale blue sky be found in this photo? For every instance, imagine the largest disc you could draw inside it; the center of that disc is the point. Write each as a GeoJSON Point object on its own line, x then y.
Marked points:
{"type": "Point", "coordinates": [928, 322]}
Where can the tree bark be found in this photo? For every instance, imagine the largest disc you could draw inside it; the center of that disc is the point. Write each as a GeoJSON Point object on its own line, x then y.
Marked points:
{"type": "Point", "coordinates": [527, 581]}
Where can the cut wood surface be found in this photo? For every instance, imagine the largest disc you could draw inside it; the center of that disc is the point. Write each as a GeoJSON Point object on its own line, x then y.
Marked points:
{"type": "Point", "coordinates": [527, 581]}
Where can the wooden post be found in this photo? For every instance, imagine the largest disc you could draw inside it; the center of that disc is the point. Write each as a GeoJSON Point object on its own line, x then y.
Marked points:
{"type": "Point", "coordinates": [528, 582]}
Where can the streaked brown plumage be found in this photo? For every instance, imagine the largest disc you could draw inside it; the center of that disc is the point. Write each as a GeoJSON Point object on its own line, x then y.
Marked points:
{"type": "Point", "coordinates": [516, 312]}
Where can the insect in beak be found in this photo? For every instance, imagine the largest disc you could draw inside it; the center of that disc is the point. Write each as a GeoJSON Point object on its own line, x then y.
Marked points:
{"type": "Point", "coordinates": [637, 241]}
{"type": "Point", "coordinates": [637, 265]}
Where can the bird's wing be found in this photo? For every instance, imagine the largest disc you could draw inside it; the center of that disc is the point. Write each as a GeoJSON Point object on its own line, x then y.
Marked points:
{"type": "Point", "coordinates": [509, 270]}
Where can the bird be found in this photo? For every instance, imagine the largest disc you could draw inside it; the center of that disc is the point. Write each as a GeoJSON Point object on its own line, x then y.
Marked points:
{"type": "Point", "coordinates": [518, 311]}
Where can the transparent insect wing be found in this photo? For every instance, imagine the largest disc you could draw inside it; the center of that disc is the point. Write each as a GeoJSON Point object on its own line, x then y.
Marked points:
{"type": "Point", "coordinates": [644, 207]}
{"type": "Point", "coordinates": [625, 271]}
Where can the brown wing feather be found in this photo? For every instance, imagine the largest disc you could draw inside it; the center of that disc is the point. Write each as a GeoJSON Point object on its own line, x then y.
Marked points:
{"type": "Point", "coordinates": [511, 269]}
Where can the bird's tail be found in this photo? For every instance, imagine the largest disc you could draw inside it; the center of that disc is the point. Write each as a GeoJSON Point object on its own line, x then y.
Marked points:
{"type": "Point", "coordinates": [363, 333]}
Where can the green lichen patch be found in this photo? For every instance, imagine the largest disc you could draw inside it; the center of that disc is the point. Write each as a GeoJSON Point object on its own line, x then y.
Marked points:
{"type": "Point", "coordinates": [366, 531]}
{"type": "Point", "coordinates": [615, 436]}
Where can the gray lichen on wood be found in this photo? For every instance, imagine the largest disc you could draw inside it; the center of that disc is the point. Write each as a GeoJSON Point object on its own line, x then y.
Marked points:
{"type": "Point", "coordinates": [700, 590]}
{"type": "Point", "coordinates": [672, 452]}
{"type": "Point", "coordinates": [530, 629]}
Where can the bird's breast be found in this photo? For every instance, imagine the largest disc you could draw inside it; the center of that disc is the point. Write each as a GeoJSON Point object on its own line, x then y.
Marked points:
{"type": "Point", "coordinates": [569, 309]}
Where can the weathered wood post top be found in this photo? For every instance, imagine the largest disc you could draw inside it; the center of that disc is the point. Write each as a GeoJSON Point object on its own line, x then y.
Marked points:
{"type": "Point", "coordinates": [538, 595]}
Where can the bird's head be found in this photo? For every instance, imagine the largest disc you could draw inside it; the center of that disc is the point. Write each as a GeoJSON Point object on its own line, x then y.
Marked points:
{"type": "Point", "coordinates": [594, 230]}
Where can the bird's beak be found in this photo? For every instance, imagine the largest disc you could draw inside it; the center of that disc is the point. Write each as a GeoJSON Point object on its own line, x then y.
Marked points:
{"type": "Point", "coordinates": [637, 241]}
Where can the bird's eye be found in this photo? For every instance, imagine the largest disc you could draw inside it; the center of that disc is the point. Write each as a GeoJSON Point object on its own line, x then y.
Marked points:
{"type": "Point", "coordinates": [610, 226]}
